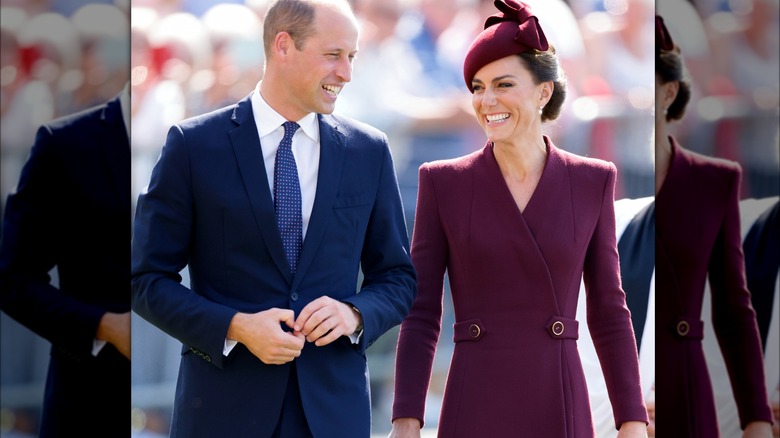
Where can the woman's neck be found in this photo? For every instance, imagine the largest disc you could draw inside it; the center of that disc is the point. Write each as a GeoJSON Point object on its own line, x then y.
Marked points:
{"type": "Point", "coordinates": [521, 159]}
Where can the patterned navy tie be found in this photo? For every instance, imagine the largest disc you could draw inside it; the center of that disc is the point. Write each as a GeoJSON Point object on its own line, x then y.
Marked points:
{"type": "Point", "coordinates": [287, 197]}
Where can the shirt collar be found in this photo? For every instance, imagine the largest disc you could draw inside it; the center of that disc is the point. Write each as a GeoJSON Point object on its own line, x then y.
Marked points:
{"type": "Point", "coordinates": [268, 120]}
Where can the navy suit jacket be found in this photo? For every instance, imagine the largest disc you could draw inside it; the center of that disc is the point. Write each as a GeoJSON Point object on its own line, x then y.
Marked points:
{"type": "Point", "coordinates": [72, 210]}
{"type": "Point", "coordinates": [208, 206]}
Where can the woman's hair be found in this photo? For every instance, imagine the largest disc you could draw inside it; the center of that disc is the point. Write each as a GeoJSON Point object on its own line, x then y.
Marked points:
{"type": "Point", "coordinates": [669, 66]}
{"type": "Point", "coordinates": [544, 66]}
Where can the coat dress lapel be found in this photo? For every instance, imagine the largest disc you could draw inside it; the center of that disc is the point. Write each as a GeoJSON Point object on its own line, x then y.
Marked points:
{"type": "Point", "coordinates": [549, 217]}
{"type": "Point", "coordinates": [492, 194]}
{"type": "Point", "coordinates": [667, 212]}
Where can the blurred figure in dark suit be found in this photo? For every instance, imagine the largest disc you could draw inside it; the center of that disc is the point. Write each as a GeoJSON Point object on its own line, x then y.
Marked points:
{"type": "Point", "coordinates": [71, 210]}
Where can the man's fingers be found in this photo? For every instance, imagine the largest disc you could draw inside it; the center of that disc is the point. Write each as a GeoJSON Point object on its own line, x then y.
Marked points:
{"type": "Point", "coordinates": [309, 310]}
{"type": "Point", "coordinates": [328, 338]}
{"type": "Point", "coordinates": [321, 329]}
{"type": "Point", "coordinates": [288, 348]}
{"type": "Point", "coordinates": [286, 316]}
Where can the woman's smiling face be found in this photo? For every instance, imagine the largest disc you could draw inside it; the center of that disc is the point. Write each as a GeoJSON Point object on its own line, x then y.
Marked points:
{"type": "Point", "coordinates": [506, 99]}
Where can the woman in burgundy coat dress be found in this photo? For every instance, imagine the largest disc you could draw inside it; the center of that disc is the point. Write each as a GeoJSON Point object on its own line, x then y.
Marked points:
{"type": "Point", "coordinates": [516, 225]}
{"type": "Point", "coordinates": [698, 233]}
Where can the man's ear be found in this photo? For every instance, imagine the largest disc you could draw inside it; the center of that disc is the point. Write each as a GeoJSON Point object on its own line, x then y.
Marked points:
{"type": "Point", "coordinates": [282, 44]}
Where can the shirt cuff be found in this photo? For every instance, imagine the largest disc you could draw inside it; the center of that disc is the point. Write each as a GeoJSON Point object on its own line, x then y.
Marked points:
{"type": "Point", "coordinates": [97, 345]}
{"type": "Point", "coordinates": [355, 337]}
{"type": "Point", "coordinates": [229, 344]}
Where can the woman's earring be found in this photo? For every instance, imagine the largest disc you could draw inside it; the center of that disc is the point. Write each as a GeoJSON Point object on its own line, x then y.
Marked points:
{"type": "Point", "coordinates": [541, 108]}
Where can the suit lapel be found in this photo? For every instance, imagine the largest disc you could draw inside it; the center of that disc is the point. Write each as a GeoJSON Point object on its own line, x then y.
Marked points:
{"type": "Point", "coordinates": [115, 147]}
{"type": "Point", "coordinates": [249, 156]}
{"type": "Point", "coordinates": [332, 148]}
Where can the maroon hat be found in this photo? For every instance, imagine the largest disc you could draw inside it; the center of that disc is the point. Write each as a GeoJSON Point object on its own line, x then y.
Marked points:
{"type": "Point", "coordinates": [514, 30]}
{"type": "Point", "coordinates": [663, 40]}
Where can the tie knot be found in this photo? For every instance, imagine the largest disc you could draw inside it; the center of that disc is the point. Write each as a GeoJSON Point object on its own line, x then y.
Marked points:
{"type": "Point", "coordinates": [289, 129]}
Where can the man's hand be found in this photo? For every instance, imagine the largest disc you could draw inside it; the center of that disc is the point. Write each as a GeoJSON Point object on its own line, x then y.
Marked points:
{"type": "Point", "coordinates": [114, 328]}
{"type": "Point", "coordinates": [324, 320]}
{"type": "Point", "coordinates": [262, 334]}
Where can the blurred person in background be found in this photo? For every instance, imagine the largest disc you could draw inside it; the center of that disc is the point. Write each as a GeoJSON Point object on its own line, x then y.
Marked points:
{"type": "Point", "coordinates": [233, 31]}
{"type": "Point", "coordinates": [748, 60]}
{"type": "Point", "coordinates": [698, 236]}
{"type": "Point", "coordinates": [620, 52]}
{"type": "Point", "coordinates": [441, 124]}
{"type": "Point", "coordinates": [59, 305]}
{"type": "Point", "coordinates": [158, 101]}
{"type": "Point", "coordinates": [565, 33]}
{"type": "Point", "coordinates": [275, 319]}
{"type": "Point", "coordinates": [182, 51]}
{"type": "Point", "coordinates": [483, 218]}
{"type": "Point", "coordinates": [103, 44]}
{"type": "Point", "coordinates": [35, 51]}
{"type": "Point", "coordinates": [71, 211]}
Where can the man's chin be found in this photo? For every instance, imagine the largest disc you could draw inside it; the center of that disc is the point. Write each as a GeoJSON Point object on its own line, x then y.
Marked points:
{"type": "Point", "coordinates": [327, 110]}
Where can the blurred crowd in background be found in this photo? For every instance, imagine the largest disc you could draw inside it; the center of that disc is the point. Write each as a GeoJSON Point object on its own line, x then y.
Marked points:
{"type": "Point", "coordinates": [188, 57]}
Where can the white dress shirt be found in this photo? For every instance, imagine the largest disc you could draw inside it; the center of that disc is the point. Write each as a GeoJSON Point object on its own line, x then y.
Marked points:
{"type": "Point", "coordinates": [305, 148]}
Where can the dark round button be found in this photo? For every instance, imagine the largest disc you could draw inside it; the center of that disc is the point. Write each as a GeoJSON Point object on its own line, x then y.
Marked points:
{"type": "Point", "coordinates": [294, 296]}
{"type": "Point", "coordinates": [683, 328]}
{"type": "Point", "coordinates": [474, 331]}
{"type": "Point", "coordinates": [557, 328]}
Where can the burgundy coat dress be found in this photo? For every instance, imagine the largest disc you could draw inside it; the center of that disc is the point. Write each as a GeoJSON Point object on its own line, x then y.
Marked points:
{"type": "Point", "coordinates": [698, 233]}
{"type": "Point", "coordinates": [515, 280]}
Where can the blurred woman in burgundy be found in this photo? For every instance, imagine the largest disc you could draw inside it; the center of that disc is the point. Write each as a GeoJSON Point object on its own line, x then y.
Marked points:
{"type": "Point", "coordinates": [698, 235]}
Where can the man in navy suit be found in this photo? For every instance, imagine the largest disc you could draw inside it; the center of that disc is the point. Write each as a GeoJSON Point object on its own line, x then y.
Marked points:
{"type": "Point", "coordinates": [274, 338]}
{"type": "Point", "coordinates": [72, 210]}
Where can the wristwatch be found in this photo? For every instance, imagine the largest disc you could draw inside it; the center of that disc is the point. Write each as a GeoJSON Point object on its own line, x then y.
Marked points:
{"type": "Point", "coordinates": [359, 328]}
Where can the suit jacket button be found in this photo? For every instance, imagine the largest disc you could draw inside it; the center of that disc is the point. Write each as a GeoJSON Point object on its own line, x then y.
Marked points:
{"type": "Point", "coordinates": [294, 296]}
{"type": "Point", "coordinates": [474, 331]}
